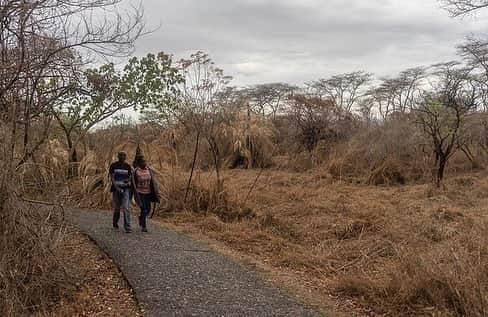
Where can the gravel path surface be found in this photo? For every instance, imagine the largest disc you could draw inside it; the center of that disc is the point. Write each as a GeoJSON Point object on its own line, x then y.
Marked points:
{"type": "Point", "coordinates": [174, 276]}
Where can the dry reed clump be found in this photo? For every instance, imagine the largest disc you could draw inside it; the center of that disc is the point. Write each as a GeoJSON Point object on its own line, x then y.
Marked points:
{"type": "Point", "coordinates": [451, 279]}
{"type": "Point", "coordinates": [203, 196]}
{"type": "Point", "coordinates": [248, 142]}
{"type": "Point", "coordinates": [31, 277]}
{"type": "Point", "coordinates": [243, 142]}
{"type": "Point", "coordinates": [92, 187]}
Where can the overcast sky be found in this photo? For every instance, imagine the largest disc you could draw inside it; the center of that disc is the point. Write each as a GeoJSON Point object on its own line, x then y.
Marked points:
{"type": "Point", "coordinates": [295, 41]}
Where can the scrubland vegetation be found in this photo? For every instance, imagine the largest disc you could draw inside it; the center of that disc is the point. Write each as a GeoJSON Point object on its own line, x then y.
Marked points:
{"type": "Point", "coordinates": [358, 187]}
{"type": "Point", "coordinates": [45, 46]}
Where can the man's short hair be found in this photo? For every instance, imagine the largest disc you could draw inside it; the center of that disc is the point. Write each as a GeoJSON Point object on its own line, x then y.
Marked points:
{"type": "Point", "coordinates": [122, 153]}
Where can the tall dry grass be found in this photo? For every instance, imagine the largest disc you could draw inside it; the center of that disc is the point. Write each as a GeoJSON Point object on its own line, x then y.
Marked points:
{"type": "Point", "coordinates": [392, 251]}
{"type": "Point", "coordinates": [32, 278]}
{"type": "Point", "coordinates": [451, 280]}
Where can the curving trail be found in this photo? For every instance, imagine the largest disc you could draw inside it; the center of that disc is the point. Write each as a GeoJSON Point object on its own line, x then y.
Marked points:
{"type": "Point", "coordinates": [173, 275]}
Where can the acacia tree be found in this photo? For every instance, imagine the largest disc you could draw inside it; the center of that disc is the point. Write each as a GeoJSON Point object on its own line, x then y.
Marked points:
{"type": "Point", "coordinates": [398, 94]}
{"type": "Point", "coordinates": [269, 99]}
{"type": "Point", "coordinates": [345, 90]}
{"type": "Point", "coordinates": [444, 111]}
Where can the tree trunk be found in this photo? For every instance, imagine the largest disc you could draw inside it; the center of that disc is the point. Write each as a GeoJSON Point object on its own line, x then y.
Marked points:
{"type": "Point", "coordinates": [440, 171]}
{"type": "Point", "coordinates": [217, 163]}
{"type": "Point", "coordinates": [72, 158]}
{"type": "Point", "coordinates": [26, 130]}
{"type": "Point", "coordinates": [469, 155]}
{"type": "Point", "coordinates": [13, 139]}
{"type": "Point", "coordinates": [193, 163]}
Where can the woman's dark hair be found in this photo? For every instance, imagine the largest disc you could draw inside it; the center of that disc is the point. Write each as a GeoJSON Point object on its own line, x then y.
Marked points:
{"type": "Point", "coordinates": [140, 161]}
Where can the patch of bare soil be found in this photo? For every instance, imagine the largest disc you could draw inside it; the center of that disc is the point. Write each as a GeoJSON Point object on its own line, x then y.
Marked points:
{"type": "Point", "coordinates": [102, 289]}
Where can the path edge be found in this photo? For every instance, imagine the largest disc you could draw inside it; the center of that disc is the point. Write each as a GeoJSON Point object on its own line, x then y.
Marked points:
{"type": "Point", "coordinates": [104, 250]}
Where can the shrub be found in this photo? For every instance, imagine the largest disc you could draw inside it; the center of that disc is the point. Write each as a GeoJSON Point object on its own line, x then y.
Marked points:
{"type": "Point", "coordinates": [32, 277]}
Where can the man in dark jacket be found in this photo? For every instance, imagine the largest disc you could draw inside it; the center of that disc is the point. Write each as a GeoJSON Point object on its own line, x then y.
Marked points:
{"type": "Point", "coordinates": [121, 177]}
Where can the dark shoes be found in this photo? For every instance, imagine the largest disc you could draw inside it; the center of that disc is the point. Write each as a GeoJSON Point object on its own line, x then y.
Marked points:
{"type": "Point", "coordinates": [127, 230]}
{"type": "Point", "coordinates": [144, 230]}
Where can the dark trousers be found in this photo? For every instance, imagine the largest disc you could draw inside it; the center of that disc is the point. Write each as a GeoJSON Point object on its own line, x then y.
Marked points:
{"type": "Point", "coordinates": [145, 208]}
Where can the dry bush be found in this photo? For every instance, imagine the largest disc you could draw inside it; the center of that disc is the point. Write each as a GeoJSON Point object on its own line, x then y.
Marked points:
{"type": "Point", "coordinates": [345, 164]}
{"type": "Point", "coordinates": [387, 154]}
{"type": "Point", "coordinates": [166, 148]}
{"type": "Point", "coordinates": [31, 275]}
{"type": "Point", "coordinates": [242, 142]}
{"type": "Point", "coordinates": [389, 173]}
{"type": "Point", "coordinates": [203, 197]}
{"type": "Point", "coordinates": [32, 278]}
{"type": "Point", "coordinates": [47, 174]}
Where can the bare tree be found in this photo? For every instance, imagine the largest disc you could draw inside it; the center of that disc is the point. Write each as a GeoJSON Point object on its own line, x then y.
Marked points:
{"type": "Point", "coordinates": [459, 8]}
{"type": "Point", "coordinates": [313, 118]}
{"type": "Point", "coordinates": [345, 90]}
{"type": "Point", "coordinates": [42, 43]}
{"type": "Point", "coordinates": [443, 113]}
{"type": "Point", "coordinates": [199, 109]}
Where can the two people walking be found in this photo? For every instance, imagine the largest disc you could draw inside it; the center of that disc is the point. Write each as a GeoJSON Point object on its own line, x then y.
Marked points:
{"type": "Point", "coordinates": [139, 183]}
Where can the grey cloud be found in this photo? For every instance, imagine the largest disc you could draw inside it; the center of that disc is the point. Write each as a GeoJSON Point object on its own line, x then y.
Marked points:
{"type": "Point", "coordinates": [299, 40]}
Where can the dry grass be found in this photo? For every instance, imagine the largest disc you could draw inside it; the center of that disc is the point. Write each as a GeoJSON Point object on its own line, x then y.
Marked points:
{"type": "Point", "coordinates": [32, 277]}
{"type": "Point", "coordinates": [399, 251]}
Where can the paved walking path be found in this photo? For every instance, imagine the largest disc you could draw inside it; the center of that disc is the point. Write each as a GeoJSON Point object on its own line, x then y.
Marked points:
{"type": "Point", "coordinates": [174, 276]}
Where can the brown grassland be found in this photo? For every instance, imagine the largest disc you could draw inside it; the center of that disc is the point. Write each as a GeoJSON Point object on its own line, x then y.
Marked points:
{"type": "Point", "coordinates": [394, 250]}
{"type": "Point", "coordinates": [342, 245]}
